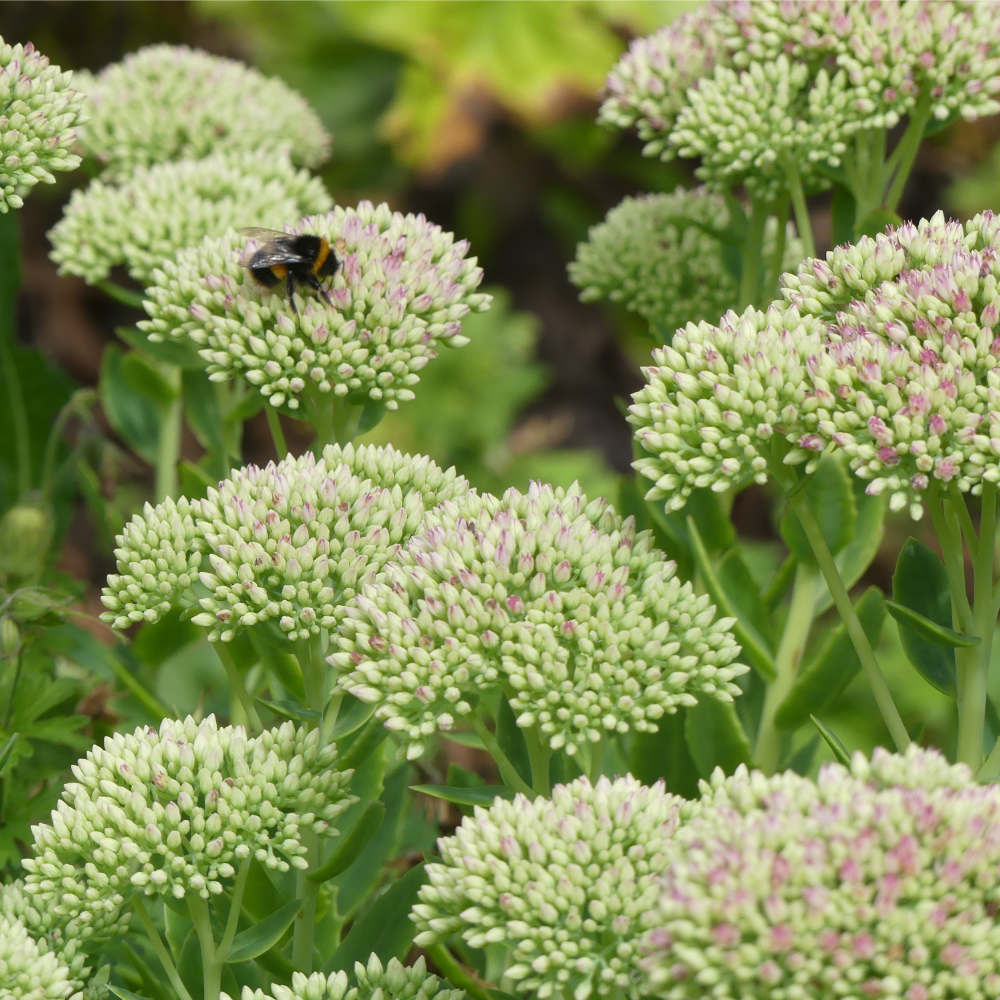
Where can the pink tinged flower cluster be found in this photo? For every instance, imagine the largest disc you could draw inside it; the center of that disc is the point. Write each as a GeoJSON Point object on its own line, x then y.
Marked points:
{"type": "Point", "coordinates": [559, 886]}
{"type": "Point", "coordinates": [552, 600]}
{"type": "Point", "coordinates": [399, 295]}
{"type": "Point", "coordinates": [876, 881]}
{"type": "Point", "coordinates": [721, 403]}
{"type": "Point", "coordinates": [283, 545]}
{"type": "Point", "coordinates": [909, 381]}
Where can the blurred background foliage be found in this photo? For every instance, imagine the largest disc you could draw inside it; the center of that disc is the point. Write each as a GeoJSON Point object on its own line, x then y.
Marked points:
{"type": "Point", "coordinates": [481, 115]}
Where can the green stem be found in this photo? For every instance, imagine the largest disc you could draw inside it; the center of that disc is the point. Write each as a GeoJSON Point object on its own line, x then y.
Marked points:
{"type": "Point", "coordinates": [168, 448]}
{"type": "Point", "coordinates": [786, 664]}
{"type": "Point", "coordinates": [507, 770]}
{"type": "Point", "coordinates": [308, 892]}
{"type": "Point", "coordinates": [803, 221]}
{"type": "Point", "coordinates": [81, 398]}
{"type": "Point", "coordinates": [883, 697]}
{"type": "Point", "coordinates": [11, 697]}
{"type": "Point", "coordinates": [277, 434]}
{"type": "Point", "coordinates": [949, 536]}
{"type": "Point", "coordinates": [596, 767]}
{"type": "Point", "coordinates": [235, 908]}
{"type": "Point", "coordinates": [310, 657]}
{"type": "Point", "coordinates": [10, 283]}
{"type": "Point", "coordinates": [456, 973]}
{"type": "Point", "coordinates": [901, 161]}
{"type": "Point", "coordinates": [211, 961]}
{"type": "Point", "coordinates": [160, 950]}
{"type": "Point", "coordinates": [750, 272]}
{"type": "Point", "coordinates": [121, 294]}
{"type": "Point", "coordinates": [18, 415]}
{"type": "Point", "coordinates": [776, 262]}
{"type": "Point", "coordinates": [238, 688]}
{"type": "Point", "coordinates": [973, 662]}
{"type": "Point", "coordinates": [539, 757]}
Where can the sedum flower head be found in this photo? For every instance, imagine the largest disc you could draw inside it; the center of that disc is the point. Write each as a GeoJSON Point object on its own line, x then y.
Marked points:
{"type": "Point", "coordinates": [908, 383]}
{"type": "Point", "coordinates": [394, 981]}
{"type": "Point", "coordinates": [663, 257]}
{"type": "Point", "coordinates": [555, 601]}
{"type": "Point", "coordinates": [400, 293]}
{"type": "Point", "coordinates": [879, 880]}
{"type": "Point", "coordinates": [161, 209]}
{"type": "Point", "coordinates": [171, 102]}
{"type": "Point", "coordinates": [39, 113]}
{"type": "Point", "coordinates": [648, 87]}
{"type": "Point", "coordinates": [285, 544]}
{"type": "Point", "coordinates": [754, 126]}
{"type": "Point", "coordinates": [28, 969]}
{"type": "Point", "coordinates": [561, 885]}
{"type": "Point", "coordinates": [897, 53]}
{"type": "Point", "coordinates": [721, 403]}
{"type": "Point", "coordinates": [175, 812]}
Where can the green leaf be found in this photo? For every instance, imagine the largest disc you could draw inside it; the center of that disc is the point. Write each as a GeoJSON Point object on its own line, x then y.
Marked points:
{"type": "Point", "coordinates": [124, 994]}
{"type": "Point", "coordinates": [287, 708]}
{"type": "Point", "coordinates": [857, 555]}
{"type": "Point", "coordinates": [920, 583]}
{"type": "Point", "coordinates": [715, 737]}
{"type": "Point", "coordinates": [352, 845]}
{"type": "Point", "coordinates": [264, 934]}
{"type": "Point", "coordinates": [833, 741]}
{"type": "Point", "coordinates": [842, 210]}
{"type": "Point", "coordinates": [372, 413]}
{"type": "Point", "coordinates": [484, 795]}
{"type": "Point", "coordinates": [665, 754]}
{"type": "Point", "coordinates": [203, 412]}
{"type": "Point", "coordinates": [824, 678]}
{"type": "Point", "coordinates": [930, 630]}
{"type": "Point", "coordinates": [745, 594]}
{"type": "Point", "coordinates": [134, 417]}
{"type": "Point", "coordinates": [385, 929]}
{"type": "Point", "coordinates": [875, 222]}
{"type": "Point", "coordinates": [466, 738]}
{"type": "Point", "coordinates": [755, 647]}
{"type": "Point", "coordinates": [168, 352]}
{"type": "Point", "coordinates": [147, 380]}
{"type": "Point", "coordinates": [828, 491]}
{"type": "Point", "coordinates": [243, 409]}
{"type": "Point", "coordinates": [353, 714]}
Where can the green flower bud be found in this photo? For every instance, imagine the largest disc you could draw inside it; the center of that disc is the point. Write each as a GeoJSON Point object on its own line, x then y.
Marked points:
{"type": "Point", "coordinates": [25, 537]}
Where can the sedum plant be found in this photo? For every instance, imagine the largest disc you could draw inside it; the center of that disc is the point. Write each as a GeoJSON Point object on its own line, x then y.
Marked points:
{"type": "Point", "coordinates": [152, 107]}
{"type": "Point", "coordinates": [535, 681]}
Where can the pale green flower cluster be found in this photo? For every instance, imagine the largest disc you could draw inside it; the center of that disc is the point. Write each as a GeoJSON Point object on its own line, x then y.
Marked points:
{"type": "Point", "coordinates": [394, 981]}
{"type": "Point", "coordinates": [561, 887]}
{"type": "Point", "coordinates": [721, 403]}
{"type": "Point", "coordinates": [28, 969]}
{"type": "Point", "coordinates": [285, 544]}
{"type": "Point", "coordinates": [399, 295]}
{"type": "Point", "coordinates": [159, 210]}
{"type": "Point", "coordinates": [39, 115]}
{"type": "Point", "coordinates": [663, 257]}
{"type": "Point", "coordinates": [876, 881]}
{"type": "Point", "coordinates": [761, 88]}
{"type": "Point", "coordinates": [176, 812]}
{"type": "Point", "coordinates": [551, 599]}
{"type": "Point", "coordinates": [169, 102]}
{"type": "Point", "coordinates": [885, 352]}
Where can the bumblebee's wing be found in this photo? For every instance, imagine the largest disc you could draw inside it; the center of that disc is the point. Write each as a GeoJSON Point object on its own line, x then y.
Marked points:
{"type": "Point", "coordinates": [259, 233]}
{"type": "Point", "coordinates": [266, 256]}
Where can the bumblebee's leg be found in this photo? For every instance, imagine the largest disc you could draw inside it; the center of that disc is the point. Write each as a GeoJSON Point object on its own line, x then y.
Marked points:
{"type": "Point", "coordinates": [317, 285]}
{"type": "Point", "coordinates": [291, 293]}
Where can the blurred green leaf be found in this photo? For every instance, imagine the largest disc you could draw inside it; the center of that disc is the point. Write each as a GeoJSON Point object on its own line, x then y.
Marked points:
{"type": "Point", "coordinates": [828, 490]}
{"type": "Point", "coordinates": [833, 741]}
{"type": "Point", "coordinates": [715, 737]}
{"type": "Point", "coordinates": [920, 583]}
{"type": "Point", "coordinates": [484, 795]}
{"type": "Point", "coordinates": [134, 417]}
{"type": "Point", "coordinates": [263, 934]}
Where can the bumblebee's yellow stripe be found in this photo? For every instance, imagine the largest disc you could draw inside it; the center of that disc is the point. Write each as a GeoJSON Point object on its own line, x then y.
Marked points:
{"type": "Point", "coordinates": [279, 270]}
{"type": "Point", "coordinates": [324, 252]}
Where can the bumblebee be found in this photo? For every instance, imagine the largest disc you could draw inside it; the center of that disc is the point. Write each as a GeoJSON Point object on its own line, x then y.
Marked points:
{"type": "Point", "coordinates": [286, 257]}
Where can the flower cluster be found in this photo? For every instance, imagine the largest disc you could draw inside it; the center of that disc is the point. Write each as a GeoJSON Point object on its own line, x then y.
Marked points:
{"type": "Point", "coordinates": [887, 352]}
{"type": "Point", "coordinates": [663, 257]}
{"type": "Point", "coordinates": [168, 102]}
{"type": "Point", "coordinates": [400, 293]}
{"type": "Point", "coordinates": [28, 970]}
{"type": "Point", "coordinates": [176, 812]}
{"type": "Point", "coordinates": [908, 385]}
{"type": "Point", "coordinates": [553, 600]}
{"type": "Point", "coordinates": [563, 885]}
{"type": "Point", "coordinates": [394, 981]}
{"type": "Point", "coordinates": [878, 880]}
{"type": "Point", "coordinates": [722, 403]}
{"type": "Point", "coordinates": [161, 209]}
{"type": "Point", "coordinates": [284, 544]}
{"type": "Point", "coordinates": [754, 87]}
{"type": "Point", "coordinates": [39, 112]}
